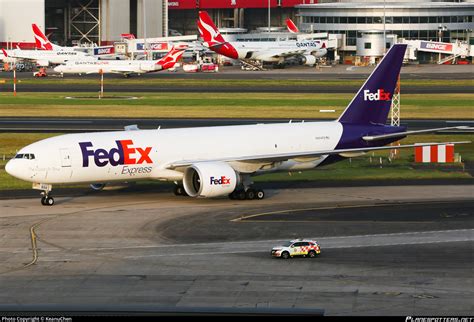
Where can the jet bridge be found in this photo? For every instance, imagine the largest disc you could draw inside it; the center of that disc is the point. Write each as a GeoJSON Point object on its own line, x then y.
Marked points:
{"type": "Point", "coordinates": [457, 49]}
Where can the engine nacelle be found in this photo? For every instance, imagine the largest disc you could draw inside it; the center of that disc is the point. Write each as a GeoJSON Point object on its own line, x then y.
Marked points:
{"type": "Point", "coordinates": [309, 60]}
{"type": "Point", "coordinates": [209, 179]}
{"type": "Point", "coordinates": [97, 186]}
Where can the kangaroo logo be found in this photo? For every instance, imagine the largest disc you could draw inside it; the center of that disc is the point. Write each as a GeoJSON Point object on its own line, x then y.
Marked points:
{"type": "Point", "coordinates": [41, 40]}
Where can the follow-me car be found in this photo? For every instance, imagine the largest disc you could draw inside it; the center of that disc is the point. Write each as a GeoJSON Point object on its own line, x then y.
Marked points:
{"type": "Point", "coordinates": [297, 247]}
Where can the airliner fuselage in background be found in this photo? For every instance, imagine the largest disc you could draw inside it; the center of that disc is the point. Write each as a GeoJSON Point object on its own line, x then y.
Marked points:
{"type": "Point", "coordinates": [124, 67]}
{"type": "Point", "coordinates": [218, 161]}
{"type": "Point", "coordinates": [266, 51]}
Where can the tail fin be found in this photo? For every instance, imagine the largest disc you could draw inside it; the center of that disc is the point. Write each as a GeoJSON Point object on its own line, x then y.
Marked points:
{"type": "Point", "coordinates": [127, 36]}
{"type": "Point", "coordinates": [372, 102]}
{"type": "Point", "coordinates": [41, 40]}
{"type": "Point", "coordinates": [170, 59]}
{"type": "Point", "coordinates": [208, 30]}
{"type": "Point", "coordinates": [291, 26]}
{"type": "Point", "coordinates": [4, 52]}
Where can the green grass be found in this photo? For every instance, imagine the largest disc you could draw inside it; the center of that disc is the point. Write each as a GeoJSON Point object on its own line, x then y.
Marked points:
{"type": "Point", "coordinates": [211, 81]}
{"type": "Point", "coordinates": [222, 105]}
{"type": "Point", "coordinates": [363, 168]}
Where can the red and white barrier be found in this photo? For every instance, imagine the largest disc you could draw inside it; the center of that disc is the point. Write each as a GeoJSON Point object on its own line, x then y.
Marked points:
{"type": "Point", "coordinates": [435, 154]}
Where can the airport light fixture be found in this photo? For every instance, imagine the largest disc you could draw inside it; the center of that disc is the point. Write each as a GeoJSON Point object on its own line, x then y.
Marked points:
{"type": "Point", "coordinates": [440, 35]}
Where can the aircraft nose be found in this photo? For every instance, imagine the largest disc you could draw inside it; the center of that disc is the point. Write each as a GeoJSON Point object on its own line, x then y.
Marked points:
{"type": "Point", "coordinates": [10, 168]}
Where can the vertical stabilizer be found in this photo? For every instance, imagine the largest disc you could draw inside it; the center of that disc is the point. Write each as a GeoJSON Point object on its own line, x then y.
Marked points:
{"type": "Point", "coordinates": [42, 42]}
{"type": "Point", "coordinates": [371, 104]}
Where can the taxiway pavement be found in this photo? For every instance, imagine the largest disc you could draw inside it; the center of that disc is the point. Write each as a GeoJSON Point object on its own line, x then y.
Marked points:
{"type": "Point", "coordinates": [401, 250]}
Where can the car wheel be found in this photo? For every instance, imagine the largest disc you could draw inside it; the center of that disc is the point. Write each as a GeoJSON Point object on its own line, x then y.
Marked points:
{"type": "Point", "coordinates": [312, 254]}
{"type": "Point", "coordinates": [285, 255]}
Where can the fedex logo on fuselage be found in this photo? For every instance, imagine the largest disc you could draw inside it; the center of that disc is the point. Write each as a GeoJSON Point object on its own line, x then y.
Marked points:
{"type": "Point", "coordinates": [380, 95]}
{"type": "Point", "coordinates": [123, 154]}
{"type": "Point", "coordinates": [221, 180]}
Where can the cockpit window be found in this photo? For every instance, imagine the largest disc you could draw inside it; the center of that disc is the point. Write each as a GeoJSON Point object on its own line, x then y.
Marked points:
{"type": "Point", "coordinates": [28, 156]}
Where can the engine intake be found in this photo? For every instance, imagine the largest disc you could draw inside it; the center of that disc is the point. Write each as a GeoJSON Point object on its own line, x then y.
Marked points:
{"type": "Point", "coordinates": [209, 179]}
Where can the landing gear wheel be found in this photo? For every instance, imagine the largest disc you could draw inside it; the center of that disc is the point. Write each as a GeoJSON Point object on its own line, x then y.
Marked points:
{"type": "Point", "coordinates": [250, 194]}
{"type": "Point", "coordinates": [179, 191]}
{"type": "Point", "coordinates": [47, 201]}
{"type": "Point", "coordinates": [240, 195]}
{"type": "Point", "coordinates": [260, 194]}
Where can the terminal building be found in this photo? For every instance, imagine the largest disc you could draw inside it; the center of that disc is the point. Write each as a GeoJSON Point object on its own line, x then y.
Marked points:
{"type": "Point", "coordinates": [364, 24]}
{"type": "Point", "coordinates": [357, 27]}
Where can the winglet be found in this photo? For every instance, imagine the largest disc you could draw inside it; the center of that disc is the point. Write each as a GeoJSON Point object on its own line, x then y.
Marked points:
{"type": "Point", "coordinates": [291, 26]}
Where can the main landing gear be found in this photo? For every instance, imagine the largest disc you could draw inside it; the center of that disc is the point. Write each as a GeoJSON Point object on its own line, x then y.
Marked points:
{"type": "Point", "coordinates": [179, 191]}
{"type": "Point", "coordinates": [46, 199]}
{"type": "Point", "coordinates": [248, 194]}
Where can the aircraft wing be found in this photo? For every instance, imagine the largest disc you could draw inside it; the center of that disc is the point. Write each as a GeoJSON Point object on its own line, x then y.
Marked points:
{"type": "Point", "coordinates": [286, 156]}
{"type": "Point", "coordinates": [120, 70]}
{"type": "Point", "coordinates": [282, 53]}
{"type": "Point", "coordinates": [403, 134]}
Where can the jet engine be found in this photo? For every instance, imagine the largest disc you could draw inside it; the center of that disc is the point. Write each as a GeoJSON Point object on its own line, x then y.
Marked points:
{"type": "Point", "coordinates": [209, 179]}
{"type": "Point", "coordinates": [309, 60]}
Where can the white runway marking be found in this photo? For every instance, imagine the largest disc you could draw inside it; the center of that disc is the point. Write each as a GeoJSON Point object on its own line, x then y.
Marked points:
{"type": "Point", "coordinates": [413, 238]}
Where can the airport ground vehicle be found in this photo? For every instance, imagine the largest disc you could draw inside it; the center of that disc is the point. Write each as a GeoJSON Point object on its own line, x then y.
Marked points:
{"type": "Point", "coordinates": [297, 247]}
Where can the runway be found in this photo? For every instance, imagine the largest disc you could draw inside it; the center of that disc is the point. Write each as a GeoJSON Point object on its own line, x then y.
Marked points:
{"type": "Point", "coordinates": [403, 250]}
{"type": "Point", "coordinates": [67, 125]}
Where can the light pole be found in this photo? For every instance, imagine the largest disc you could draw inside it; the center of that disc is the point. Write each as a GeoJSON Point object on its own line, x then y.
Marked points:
{"type": "Point", "coordinates": [269, 16]}
{"type": "Point", "coordinates": [440, 35]}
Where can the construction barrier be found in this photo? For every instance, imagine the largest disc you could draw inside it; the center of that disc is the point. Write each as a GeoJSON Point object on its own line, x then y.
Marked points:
{"type": "Point", "coordinates": [443, 153]}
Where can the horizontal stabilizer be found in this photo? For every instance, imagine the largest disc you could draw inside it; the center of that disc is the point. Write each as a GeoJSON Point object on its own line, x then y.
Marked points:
{"type": "Point", "coordinates": [403, 134]}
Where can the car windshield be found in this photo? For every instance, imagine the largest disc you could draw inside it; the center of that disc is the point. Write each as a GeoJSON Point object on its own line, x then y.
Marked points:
{"type": "Point", "coordinates": [287, 244]}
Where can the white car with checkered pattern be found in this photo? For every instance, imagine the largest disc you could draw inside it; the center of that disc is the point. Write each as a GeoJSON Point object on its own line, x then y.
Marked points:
{"type": "Point", "coordinates": [297, 247]}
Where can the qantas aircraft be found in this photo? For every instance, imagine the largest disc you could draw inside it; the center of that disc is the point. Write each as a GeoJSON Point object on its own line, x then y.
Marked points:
{"type": "Point", "coordinates": [46, 57]}
{"type": "Point", "coordinates": [125, 67]}
{"type": "Point", "coordinates": [219, 161]}
{"type": "Point", "coordinates": [42, 42]}
{"type": "Point", "coordinates": [266, 51]}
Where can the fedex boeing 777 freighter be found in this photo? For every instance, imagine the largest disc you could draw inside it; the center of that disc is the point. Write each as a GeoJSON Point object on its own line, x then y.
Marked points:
{"type": "Point", "coordinates": [218, 161]}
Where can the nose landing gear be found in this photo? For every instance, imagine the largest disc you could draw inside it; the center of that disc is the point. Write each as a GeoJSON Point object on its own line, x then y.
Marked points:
{"type": "Point", "coordinates": [46, 199]}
